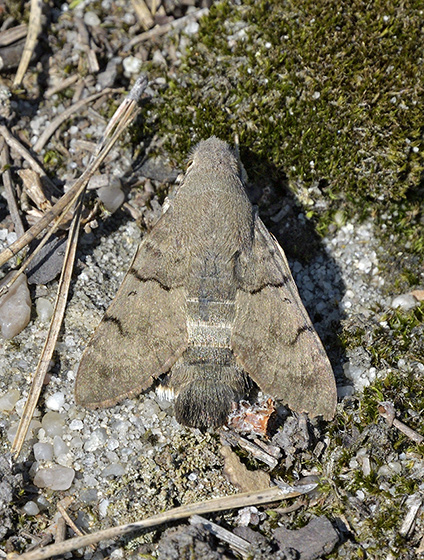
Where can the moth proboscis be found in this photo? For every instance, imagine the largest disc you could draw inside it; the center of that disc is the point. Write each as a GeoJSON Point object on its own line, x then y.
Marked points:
{"type": "Point", "coordinates": [209, 301]}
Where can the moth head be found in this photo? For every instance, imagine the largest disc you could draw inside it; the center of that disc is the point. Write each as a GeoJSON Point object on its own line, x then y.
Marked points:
{"type": "Point", "coordinates": [214, 154]}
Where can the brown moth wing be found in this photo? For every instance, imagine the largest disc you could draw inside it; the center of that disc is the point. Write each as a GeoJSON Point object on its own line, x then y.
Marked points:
{"type": "Point", "coordinates": [144, 330]}
{"type": "Point", "coordinates": [273, 337]}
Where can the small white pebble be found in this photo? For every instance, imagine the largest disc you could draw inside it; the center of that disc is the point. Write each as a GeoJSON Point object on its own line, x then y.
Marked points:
{"type": "Point", "coordinates": [15, 308]}
{"type": "Point", "coordinates": [43, 451]}
{"type": "Point", "coordinates": [191, 28]}
{"type": "Point", "coordinates": [91, 19]}
{"type": "Point", "coordinates": [104, 504]}
{"type": "Point", "coordinates": [55, 401]}
{"type": "Point", "coordinates": [76, 425]}
{"type": "Point", "coordinates": [44, 309]}
{"type": "Point", "coordinates": [97, 439]}
{"type": "Point", "coordinates": [55, 478]}
{"type": "Point", "coordinates": [31, 508]}
{"type": "Point", "coordinates": [112, 198]}
{"type": "Point", "coordinates": [53, 423]}
{"type": "Point", "coordinates": [8, 400]}
{"type": "Point", "coordinates": [59, 446]}
{"type": "Point", "coordinates": [132, 65]}
{"type": "Point", "coordinates": [404, 301]}
{"type": "Point", "coordinates": [11, 238]}
{"type": "Point", "coordinates": [112, 444]}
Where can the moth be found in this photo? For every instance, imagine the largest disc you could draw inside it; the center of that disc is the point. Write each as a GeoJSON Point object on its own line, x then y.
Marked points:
{"type": "Point", "coordinates": [210, 304]}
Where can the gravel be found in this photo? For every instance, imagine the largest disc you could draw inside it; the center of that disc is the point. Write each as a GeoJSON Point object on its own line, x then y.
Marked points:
{"type": "Point", "coordinates": [134, 460]}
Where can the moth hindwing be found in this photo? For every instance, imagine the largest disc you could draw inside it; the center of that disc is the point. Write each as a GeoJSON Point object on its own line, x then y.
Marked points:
{"type": "Point", "coordinates": [209, 301]}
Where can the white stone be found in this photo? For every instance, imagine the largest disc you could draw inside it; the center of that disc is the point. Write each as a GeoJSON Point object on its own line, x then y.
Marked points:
{"type": "Point", "coordinates": [43, 451]}
{"type": "Point", "coordinates": [104, 504]}
{"type": "Point", "coordinates": [405, 302]}
{"type": "Point", "coordinates": [55, 478]}
{"type": "Point", "coordinates": [191, 28]}
{"type": "Point", "coordinates": [15, 308]}
{"type": "Point", "coordinates": [9, 399]}
{"type": "Point", "coordinates": [59, 446]}
{"type": "Point", "coordinates": [76, 425]}
{"type": "Point", "coordinates": [132, 65]}
{"type": "Point", "coordinates": [112, 197]}
{"type": "Point", "coordinates": [31, 508]}
{"type": "Point", "coordinates": [97, 439]}
{"type": "Point", "coordinates": [53, 423]}
{"type": "Point", "coordinates": [44, 309]}
{"type": "Point", "coordinates": [91, 19]}
{"type": "Point", "coordinates": [11, 238]}
{"type": "Point", "coordinates": [55, 401]}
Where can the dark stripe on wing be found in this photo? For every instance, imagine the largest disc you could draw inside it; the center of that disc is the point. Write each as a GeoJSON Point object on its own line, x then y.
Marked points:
{"type": "Point", "coordinates": [134, 272]}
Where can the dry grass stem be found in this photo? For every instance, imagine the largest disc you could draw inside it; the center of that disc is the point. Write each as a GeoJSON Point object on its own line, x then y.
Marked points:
{"type": "Point", "coordinates": [232, 438]}
{"type": "Point", "coordinates": [14, 144]}
{"type": "Point", "coordinates": [34, 29]}
{"type": "Point", "coordinates": [65, 516]}
{"type": "Point", "coordinates": [12, 35]}
{"type": "Point", "coordinates": [239, 545]}
{"type": "Point", "coordinates": [126, 112]}
{"type": "Point", "coordinates": [256, 498]}
{"type": "Point", "coordinates": [53, 333]}
{"type": "Point", "coordinates": [63, 84]}
{"type": "Point", "coordinates": [8, 188]}
{"type": "Point", "coordinates": [387, 411]}
{"type": "Point", "coordinates": [143, 13]}
{"type": "Point", "coordinates": [163, 29]}
{"type": "Point", "coordinates": [62, 117]}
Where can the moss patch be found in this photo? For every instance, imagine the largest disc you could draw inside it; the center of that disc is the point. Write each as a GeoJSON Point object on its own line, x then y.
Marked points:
{"type": "Point", "coordinates": [330, 93]}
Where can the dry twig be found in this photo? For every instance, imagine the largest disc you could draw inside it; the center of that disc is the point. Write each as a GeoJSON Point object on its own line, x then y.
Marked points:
{"type": "Point", "coordinates": [259, 497]}
{"type": "Point", "coordinates": [232, 438]}
{"type": "Point", "coordinates": [24, 153]}
{"type": "Point", "coordinates": [12, 35]}
{"type": "Point", "coordinates": [63, 84]}
{"type": "Point", "coordinates": [126, 113]}
{"type": "Point", "coordinates": [62, 117]}
{"type": "Point", "coordinates": [387, 411]}
{"type": "Point", "coordinates": [160, 30]}
{"type": "Point", "coordinates": [53, 333]}
{"type": "Point", "coordinates": [8, 188]}
{"type": "Point", "coordinates": [414, 502]}
{"type": "Point", "coordinates": [239, 545]}
{"type": "Point", "coordinates": [143, 13]}
{"type": "Point", "coordinates": [34, 29]}
{"type": "Point", "coordinates": [65, 516]}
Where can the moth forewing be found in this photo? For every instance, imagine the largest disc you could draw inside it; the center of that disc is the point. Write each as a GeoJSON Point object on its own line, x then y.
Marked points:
{"type": "Point", "coordinates": [143, 331]}
{"type": "Point", "coordinates": [209, 300]}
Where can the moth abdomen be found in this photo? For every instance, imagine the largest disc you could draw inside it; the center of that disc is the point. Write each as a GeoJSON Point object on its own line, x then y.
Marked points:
{"type": "Point", "coordinates": [204, 404]}
{"type": "Point", "coordinates": [206, 380]}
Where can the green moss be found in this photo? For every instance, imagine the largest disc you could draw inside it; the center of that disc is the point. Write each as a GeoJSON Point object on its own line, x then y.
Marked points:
{"type": "Point", "coordinates": [338, 87]}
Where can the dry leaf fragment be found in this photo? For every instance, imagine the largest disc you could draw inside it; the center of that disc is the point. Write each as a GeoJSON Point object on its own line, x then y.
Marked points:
{"type": "Point", "coordinates": [239, 475]}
